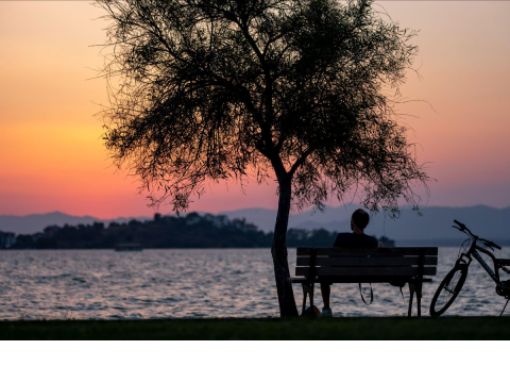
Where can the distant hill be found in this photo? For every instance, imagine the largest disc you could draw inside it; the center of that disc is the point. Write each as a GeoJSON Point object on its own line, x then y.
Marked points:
{"type": "Point", "coordinates": [30, 224]}
{"type": "Point", "coordinates": [163, 232]}
{"type": "Point", "coordinates": [309, 219]}
{"type": "Point", "coordinates": [432, 228]}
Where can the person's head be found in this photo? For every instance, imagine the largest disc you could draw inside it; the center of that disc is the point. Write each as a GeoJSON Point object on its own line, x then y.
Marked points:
{"type": "Point", "coordinates": [360, 219]}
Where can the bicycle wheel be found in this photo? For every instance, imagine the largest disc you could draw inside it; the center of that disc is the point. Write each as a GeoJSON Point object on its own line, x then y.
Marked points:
{"type": "Point", "coordinates": [448, 290]}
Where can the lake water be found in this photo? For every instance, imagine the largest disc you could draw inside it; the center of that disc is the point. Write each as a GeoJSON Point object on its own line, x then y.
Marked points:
{"type": "Point", "coordinates": [93, 284]}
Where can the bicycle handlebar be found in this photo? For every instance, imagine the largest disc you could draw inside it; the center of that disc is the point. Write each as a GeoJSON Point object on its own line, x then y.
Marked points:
{"type": "Point", "coordinates": [491, 244]}
{"type": "Point", "coordinates": [461, 225]}
{"type": "Point", "coordinates": [463, 228]}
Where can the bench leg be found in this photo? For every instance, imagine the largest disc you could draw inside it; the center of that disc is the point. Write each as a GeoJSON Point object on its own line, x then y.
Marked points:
{"type": "Point", "coordinates": [307, 290]}
{"type": "Point", "coordinates": [411, 295]}
{"type": "Point", "coordinates": [418, 297]}
{"type": "Point", "coordinates": [312, 285]}
{"type": "Point", "coordinates": [415, 288]}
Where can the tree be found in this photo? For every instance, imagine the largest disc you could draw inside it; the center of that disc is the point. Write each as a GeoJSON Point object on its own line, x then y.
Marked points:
{"type": "Point", "coordinates": [291, 89]}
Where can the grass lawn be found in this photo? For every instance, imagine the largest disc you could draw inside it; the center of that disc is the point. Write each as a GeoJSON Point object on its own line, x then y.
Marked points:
{"type": "Point", "coordinates": [449, 328]}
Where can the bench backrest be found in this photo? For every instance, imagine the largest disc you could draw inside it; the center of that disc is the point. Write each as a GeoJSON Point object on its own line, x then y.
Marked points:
{"type": "Point", "coordinates": [379, 263]}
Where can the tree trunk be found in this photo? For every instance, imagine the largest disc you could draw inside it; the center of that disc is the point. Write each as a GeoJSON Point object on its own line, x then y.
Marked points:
{"type": "Point", "coordinates": [280, 254]}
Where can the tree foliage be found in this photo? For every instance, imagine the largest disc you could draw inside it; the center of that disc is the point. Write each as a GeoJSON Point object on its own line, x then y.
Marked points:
{"type": "Point", "coordinates": [216, 89]}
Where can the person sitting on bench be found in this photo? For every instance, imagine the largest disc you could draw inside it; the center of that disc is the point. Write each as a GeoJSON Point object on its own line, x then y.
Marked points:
{"type": "Point", "coordinates": [355, 240]}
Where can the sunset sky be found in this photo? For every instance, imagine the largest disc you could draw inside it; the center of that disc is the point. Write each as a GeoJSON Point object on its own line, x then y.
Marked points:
{"type": "Point", "coordinates": [52, 157]}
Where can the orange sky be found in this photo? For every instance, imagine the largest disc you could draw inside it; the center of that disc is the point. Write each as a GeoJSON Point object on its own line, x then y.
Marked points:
{"type": "Point", "coordinates": [52, 157]}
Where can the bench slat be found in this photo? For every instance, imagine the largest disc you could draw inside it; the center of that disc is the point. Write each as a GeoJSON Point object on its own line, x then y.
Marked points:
{"type": "Point", "coordinates": [366, 271]}
{"type": "Point", "coordinates": [379, 251]}
{"type": "Point", "coordinates": [367, 261]}
{"type": "Point", "coordinates": [359, 279]}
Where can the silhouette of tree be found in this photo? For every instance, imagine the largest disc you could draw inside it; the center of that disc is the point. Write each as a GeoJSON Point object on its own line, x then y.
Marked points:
{"type": "Point", "coordinates": [294, 89]}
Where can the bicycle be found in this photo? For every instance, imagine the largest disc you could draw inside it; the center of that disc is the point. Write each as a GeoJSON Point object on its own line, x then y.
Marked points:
{"type": "Point", "coordinates": [452, 283]}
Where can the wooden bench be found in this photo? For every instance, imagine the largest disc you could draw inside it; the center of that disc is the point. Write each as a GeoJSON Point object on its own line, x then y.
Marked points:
{"type": "Point", "coordinates": [398, 265]}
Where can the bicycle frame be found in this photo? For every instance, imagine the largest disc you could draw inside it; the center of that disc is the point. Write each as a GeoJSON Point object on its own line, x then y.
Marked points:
{"type": "Point", "coordinates": [473, 251]}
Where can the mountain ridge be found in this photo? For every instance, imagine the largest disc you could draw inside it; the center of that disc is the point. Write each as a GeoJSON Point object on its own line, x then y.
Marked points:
{"type": "Point", "coordinates": [434, 225]}
{"type": "Point", "coordinates": [33, 223]}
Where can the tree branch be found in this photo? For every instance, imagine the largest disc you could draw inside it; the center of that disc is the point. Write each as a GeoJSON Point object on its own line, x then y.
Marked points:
{"type": "Point", "coordinates": [300, 162]}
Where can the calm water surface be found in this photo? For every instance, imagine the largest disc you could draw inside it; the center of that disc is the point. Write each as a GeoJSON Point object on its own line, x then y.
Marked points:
{"type": "Point", "coordinates": [91, 284]}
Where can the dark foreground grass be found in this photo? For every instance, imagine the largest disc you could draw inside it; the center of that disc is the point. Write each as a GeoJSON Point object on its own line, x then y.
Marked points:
{"type": "Point", "coordinates": [455, 328]}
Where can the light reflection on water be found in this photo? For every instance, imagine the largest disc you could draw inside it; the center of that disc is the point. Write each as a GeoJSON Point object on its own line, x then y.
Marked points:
{"type": "Point", "coordinates": [86, 284]}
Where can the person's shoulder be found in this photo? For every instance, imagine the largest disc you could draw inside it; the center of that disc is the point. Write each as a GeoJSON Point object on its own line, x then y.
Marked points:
{"type": "Point", "coordinates": [345, 235]}
{"type": "Point", "coordinates": [372, 241]}
{"type": "Point", "coordinates": [344, 240]}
